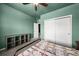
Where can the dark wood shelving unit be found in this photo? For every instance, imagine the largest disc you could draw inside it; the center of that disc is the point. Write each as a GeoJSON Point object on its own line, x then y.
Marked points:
{"type": "Point", "coordinates": [15, 40]}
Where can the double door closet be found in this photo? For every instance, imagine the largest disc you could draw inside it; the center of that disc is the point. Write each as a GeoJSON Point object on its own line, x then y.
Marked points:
{"type": "Point", "coordinates": [59, 30]}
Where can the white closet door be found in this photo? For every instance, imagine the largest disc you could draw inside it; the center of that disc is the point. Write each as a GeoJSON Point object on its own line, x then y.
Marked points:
{"type": "Point", "coordinates": [64, 31]}
{"type": "Point", "coordinates": [36, 30]}
{"type": "Point", "coordinates": [49, 30]}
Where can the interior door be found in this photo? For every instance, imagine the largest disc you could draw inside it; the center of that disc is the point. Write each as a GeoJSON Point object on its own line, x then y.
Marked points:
{"type": "Point", "coordinates": [36, 32]}
{"type": "Point", "coordinates": [64, 31]}
{"type": "Point", "coordinates": [49, 30]}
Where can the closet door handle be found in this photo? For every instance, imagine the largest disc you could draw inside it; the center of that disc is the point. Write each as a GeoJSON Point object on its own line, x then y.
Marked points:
{"type": "Point", "coordinates": [68, 33]}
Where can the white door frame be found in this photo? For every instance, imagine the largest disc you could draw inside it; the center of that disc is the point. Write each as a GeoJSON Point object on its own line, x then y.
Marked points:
{"type": "Point", "coordinates": [36, 33]}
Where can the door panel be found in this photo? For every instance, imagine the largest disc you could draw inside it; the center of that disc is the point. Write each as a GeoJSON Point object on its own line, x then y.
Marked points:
{"type": "Point", "coordinates": [36, 33]}
{"type": "Point", "coordinates": [49, 32]}
{"type": "Point", "coordinates": [63, 31]}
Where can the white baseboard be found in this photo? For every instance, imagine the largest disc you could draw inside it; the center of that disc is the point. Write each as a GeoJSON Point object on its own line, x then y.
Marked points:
{"type": "Point", "coordinates": [2, 49]}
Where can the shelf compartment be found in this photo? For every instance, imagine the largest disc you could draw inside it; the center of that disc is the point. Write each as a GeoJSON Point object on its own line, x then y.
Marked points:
{"type": "Point", "coordinates": [10, 43]}
{"type": "Point", "coordinates": [22, 37]}
{"type": "Point", "coordinates": [17, 43]}
{"type": "Point", "coordinates": [17, 38]}
{"type": "Point", "coordinates": [26, 38]}
{"type": "Point", "coordinates": [10, 39]}
{"type": "Point", "coordinates": [10, 46]}
{"type": "Point", "coordinates": [22, 41]}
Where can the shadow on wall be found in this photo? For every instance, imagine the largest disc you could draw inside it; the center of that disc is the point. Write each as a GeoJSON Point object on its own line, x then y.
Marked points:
{"type": "Point", "coordinates": [1, 31]}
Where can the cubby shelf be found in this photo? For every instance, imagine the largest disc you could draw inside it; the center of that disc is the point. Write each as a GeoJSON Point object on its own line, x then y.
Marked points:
{"type": "Point", "coordinates": [15, 40]}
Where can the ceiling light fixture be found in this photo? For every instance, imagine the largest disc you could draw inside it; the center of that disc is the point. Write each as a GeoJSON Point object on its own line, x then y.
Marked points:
{"type": "Point", "coordinates": [36, 4]}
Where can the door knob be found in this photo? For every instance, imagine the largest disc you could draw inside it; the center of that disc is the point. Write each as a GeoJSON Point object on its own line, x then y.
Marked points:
{"type": "Point", "coordinates": [68, 33]}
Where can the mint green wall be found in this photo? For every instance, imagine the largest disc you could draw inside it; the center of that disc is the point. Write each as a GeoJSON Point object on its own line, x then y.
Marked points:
{"type": "Point", "coordinates": [72, 9]}
{"type": "Point", "coordinates": [12, 22]}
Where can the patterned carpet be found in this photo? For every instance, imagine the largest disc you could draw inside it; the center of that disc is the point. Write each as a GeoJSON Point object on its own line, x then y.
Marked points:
{"type": "Point", "coordinates": [46, 48]}
{"type": "Point", "coordinates": [43, 48]}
